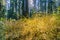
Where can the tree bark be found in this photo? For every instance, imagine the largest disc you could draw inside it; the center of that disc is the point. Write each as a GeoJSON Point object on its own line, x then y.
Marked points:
{"type": "Point", "coordinates": [25, 8]}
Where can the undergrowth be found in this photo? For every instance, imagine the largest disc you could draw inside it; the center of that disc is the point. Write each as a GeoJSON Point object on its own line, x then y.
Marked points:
{"type": "Point", "coordinates": [36, 28]}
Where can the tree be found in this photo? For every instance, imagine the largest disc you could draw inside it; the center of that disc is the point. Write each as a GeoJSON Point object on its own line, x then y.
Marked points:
{"type": "Point", "coordinates": [12, 12]}
{"type": "Point", "coordinates": [50, 5]}
{"type": "Point", "coordinates": [0, 6]}
{"type": "Point", "coordinates": [2, 10]}
{"type": "Point", "coordinates": [25, 8]}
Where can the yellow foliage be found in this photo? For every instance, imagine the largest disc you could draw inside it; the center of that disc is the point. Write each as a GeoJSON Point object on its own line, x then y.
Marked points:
{"type": "Point", "coordinates": [36, 28]}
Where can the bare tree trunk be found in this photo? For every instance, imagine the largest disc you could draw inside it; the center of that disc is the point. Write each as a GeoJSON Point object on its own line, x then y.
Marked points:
{"type": "Point", "coordinates": [25, 8]}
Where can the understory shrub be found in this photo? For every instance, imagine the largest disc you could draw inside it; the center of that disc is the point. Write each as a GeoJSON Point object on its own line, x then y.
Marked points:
{"type": "Point", "coordinates": [35, 28]}
{"type": "Point", "coordinates": [2, 31]}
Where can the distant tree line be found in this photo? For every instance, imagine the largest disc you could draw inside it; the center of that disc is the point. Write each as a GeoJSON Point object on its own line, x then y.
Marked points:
{"type": "Point", "coordinates": [20, 8]}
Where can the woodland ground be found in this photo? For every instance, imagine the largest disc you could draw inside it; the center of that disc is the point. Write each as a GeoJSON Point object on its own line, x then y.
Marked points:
{"type": "Point", "coordinates": [35, 28]}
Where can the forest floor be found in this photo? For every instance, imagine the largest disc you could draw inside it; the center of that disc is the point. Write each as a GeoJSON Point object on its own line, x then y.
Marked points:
{"type": "Point", "coordinates": [36, 28]}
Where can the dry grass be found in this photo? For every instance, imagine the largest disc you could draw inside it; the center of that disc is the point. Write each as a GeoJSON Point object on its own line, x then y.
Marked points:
{"type": "Point", "coordinates": [35, 28]}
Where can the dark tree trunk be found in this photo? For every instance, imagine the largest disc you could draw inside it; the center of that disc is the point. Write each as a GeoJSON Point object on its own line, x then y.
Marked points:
{"type": "Point", "coordinates": [25, 8]}
{"type": "Point", "coordinates": [0, 6]}
{"type": "Point", "coordinates": [50, 5]}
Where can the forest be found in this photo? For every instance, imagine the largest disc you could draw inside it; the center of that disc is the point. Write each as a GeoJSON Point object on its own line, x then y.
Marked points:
{"type": "Point", "coordinates": [29, 19]}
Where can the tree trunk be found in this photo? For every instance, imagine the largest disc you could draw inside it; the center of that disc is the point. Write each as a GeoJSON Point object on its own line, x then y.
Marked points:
{"type": "Point", "coordinates": [25, 8]}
